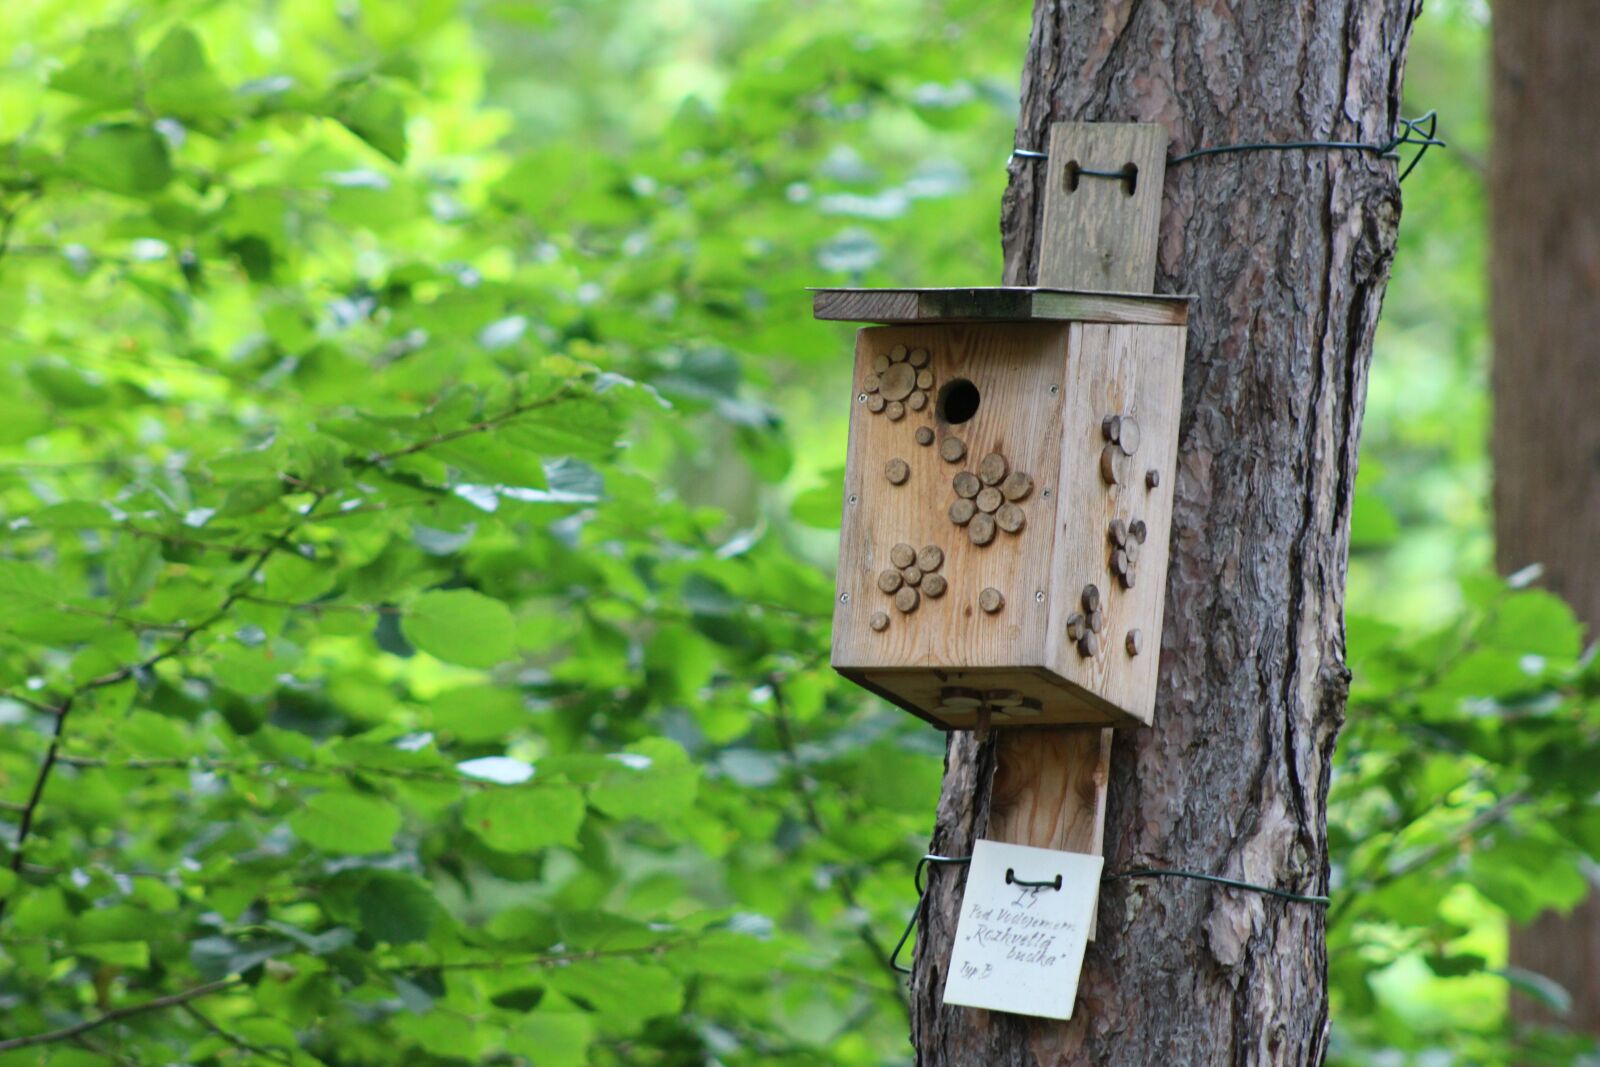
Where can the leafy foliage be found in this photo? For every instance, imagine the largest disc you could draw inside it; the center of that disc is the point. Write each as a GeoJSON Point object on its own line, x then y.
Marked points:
{"type": "Point", "coordinates": [416, 461]}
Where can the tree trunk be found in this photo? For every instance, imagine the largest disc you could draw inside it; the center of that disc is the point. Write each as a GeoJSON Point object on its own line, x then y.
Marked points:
{"type": "Point", "coordinates": [1544, 195]}
{"type": "Point", "coordinates": [1288, 254]}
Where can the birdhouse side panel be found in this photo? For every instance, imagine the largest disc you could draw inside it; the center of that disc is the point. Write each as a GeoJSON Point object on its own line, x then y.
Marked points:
{"type": "Point", "coordinates": [951, 487]}
{"type": "Point", "coordinates": [1123, 390]}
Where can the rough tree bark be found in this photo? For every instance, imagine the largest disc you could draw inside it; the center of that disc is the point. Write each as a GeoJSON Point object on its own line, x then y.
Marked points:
{"type": "Point", "coordinates": [1288, 254]}
{"type": "Point", "coordinates": [1544, 195]}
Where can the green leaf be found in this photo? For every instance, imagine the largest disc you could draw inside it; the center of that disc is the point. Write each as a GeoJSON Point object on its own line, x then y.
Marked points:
{"type": "Point", "coordinates": [479, 712]}
{"type": "Point", "coordinates": [461, 626]}
{"type": "Point", "coordinates": [349, 823]}
{"type": "Point", "coordinates": [105, 71]}
{"type": "Point", "coordinates": [624, 991]}
{"type": "Point", "coordinates": [653, 778]}
{"type": "Point", "coordinates": [374, 111]}
{"type": "Point", "coordinates": [818, 507]}
{"type": "Point", "coordinates": [120, 158]}
{"type": "Point", "coordinates": [180, 79]}
{"type": "Point", "coordinates": [135, 954]}
{"type": "Point", "coordinates": [146, 734]}
{"type": "Point", "coordinates": [394, 907]}
{"type": "Point", "coordinates": [552, 1038]}
{"type": "Point", "coordinates": [525, 819]}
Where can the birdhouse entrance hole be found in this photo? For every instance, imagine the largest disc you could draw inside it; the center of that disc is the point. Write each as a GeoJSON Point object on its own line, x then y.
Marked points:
{"type": "Point", "coordinates": [958, 402]}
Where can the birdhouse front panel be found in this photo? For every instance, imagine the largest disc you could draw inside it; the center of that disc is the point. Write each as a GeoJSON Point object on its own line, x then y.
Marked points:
{"type": "Point", "coordinates": [1006, 513]}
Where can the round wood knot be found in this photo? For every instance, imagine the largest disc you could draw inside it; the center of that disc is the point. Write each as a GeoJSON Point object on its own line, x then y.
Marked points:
{"type": "Point", "coordinates": [1091, 597]}
{"type": "Point", "coordinates": [989, 499]}
{"type": "Point", "coordinates": [1017, 486]}
{"type": "Point", "coordinates": [918, 357]}
{"type": "Point", "coordinates": [1127, 578]}
{"type": "Point", "coordinates": [890, 581]}
{"type": "Point", "coordinates": [880, 363]}
{"type": "Point", "coordinates": [924, 436]}
{"type": "Point", "coordinates": [1110, 428]}
{"type": "Point", "coordinates": [1010, 518]}
{"type": "Point", "coordinates": [1097, 622]}
{"type": "Point", "coordinates": [876, 403]}
{"type": "Point", "coordinates": [879, 622]}
{"type": "Point", "coordinates": [993, 469]}
{"type": "Point", "coordinates": [898, 381]}
{"type": "Point", "coordinates": [1076, 627]}
{"type": "Point", "coordinates": [917, 401]}
{"type": "Point", "coordinates": [933, 586]}
{"type": "Point", "coordinates": [980, 531]}
{"type": "Point", "coordinates": [1152, 478]}
{"type": "Point", "coordinates": [1117, 531]}
{"type": "Point", "coordinates": [912, 575]}
{"type": "Point", "coordinates": [924, 379]}
{"type": "Point", "coordinates": [1138, 530]}
{"type": "Point", "coordinates": [1134, 642]}
{"type": "Point", "coordinates": [1002, 698]}
{"type": "Point", "coordinates": [898, 471]}
{"type": "Point", "coordinates": [894, 410]}
{"type": "Point", "coordinates": [907, 599]}
{"type": "Point", "coordinates": [931, 558]}
{"type": "Point", "coordinates": [953, 449]}
{"type": "Point", "coordinates": [990, 600]}
{"type": "Point", "coordinates": [898, 354]}
{"type": "Point", "coordinates": [1119, 562]}
{"type": "Point", "coordinates": [1108, 464]}
{"type": "Point", "coordinates": [871, 383]}
{"type": "Point", "coordinates": [962, 511]}
{"type": "Point", "coordinates": [1128, 438]}
{"type": "Point", "coordinates": [902, 555]}
{"type": "Point", "coordinates": [966, 484]}
{"type": "Point", "coordinates": [954, 698]}
{"type": "Point", "coordinates": [1088, 645]}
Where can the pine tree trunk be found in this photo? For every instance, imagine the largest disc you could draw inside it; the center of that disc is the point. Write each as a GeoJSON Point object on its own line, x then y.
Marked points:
{"type": "Point", "coordinates": [1544, 193]}
{"type": "Point", "coordinates": [1288, 255]}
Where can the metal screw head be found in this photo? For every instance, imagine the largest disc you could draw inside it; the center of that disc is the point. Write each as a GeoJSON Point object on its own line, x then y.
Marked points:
{"type": "Point", "coordinates": [1054, 389]}
{"type": "Point", "coordinates": [852, 498]}
{"type": "Point", "coordinates": [1039, 596]}
{"type": "Point", "coordinates": [844, 598]}
{"type": "Point", "coordinates": [861, 398]}
{"type": "Point", "coordinates": [1045, 493]}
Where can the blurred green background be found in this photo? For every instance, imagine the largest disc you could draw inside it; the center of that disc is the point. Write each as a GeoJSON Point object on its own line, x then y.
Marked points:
{"type": "Point", "coordinates": [420, 480]}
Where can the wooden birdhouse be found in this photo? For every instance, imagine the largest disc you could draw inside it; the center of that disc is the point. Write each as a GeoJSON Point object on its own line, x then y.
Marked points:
{"type": "Point", "coordinates": [1008, 488]}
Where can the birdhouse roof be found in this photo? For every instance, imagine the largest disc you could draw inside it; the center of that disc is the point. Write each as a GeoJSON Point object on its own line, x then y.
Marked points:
{"type": "Point", "coordinates": [998, 304]}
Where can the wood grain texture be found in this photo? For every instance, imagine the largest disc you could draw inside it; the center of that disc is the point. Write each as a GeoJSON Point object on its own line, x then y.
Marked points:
{"type": "Point", "coordinates": [1288, 254]}
{"type": "Point", "coordinates": [1095, 234]}
{"type": "Point", "coordinates": [1000, 304]}
{"type": "Point", "coordinates": [1132, 371]}
{"type": "Point", "coordinates": [1030, 378]}
{"type": "Point", "coordinates": [1013, 367]}
{"type": "Point", "coordinates": [1544, 201]}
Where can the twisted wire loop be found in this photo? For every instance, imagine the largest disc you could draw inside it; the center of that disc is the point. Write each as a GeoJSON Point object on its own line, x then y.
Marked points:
{"type": "Point", "coordinates": [1134, 872]}
{"type": "Point", "coordinates": [1421, 131]}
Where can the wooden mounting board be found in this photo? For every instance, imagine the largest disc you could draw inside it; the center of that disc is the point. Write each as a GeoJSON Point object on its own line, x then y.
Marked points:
{"type": "Point", "coordinates": [998, 303]}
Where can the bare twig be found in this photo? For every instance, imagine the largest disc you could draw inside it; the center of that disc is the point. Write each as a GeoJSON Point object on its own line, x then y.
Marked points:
{"type": "Point", "coordinates": [234, 1039]}
{"type": "Point", "coordinates": [845, 880]}
{"type": "Point", "coordinates": [122, 674]}
{"type": "Point", "coordinates": [69, 1033]}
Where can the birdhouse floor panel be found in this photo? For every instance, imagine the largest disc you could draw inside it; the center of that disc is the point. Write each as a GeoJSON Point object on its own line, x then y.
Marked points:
{"type": "Point", "coordinates": [1046, 699]}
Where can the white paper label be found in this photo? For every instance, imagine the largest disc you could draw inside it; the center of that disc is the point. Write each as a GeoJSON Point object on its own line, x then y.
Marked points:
{"type": "Point", "coordinates": [1020, 948]}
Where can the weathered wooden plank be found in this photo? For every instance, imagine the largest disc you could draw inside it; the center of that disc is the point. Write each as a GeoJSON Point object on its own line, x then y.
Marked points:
{"type": "Point", "coordinates": [994, 304]}
{"type": "Point", "coordinates": [1100, 233]}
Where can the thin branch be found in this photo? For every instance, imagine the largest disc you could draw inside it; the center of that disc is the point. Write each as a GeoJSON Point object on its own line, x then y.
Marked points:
{"type": "Point", "coordinates": [559, 959]}
{"type": "Point", "coordinates": [481, 426]}
{"type": "Point", "coordinates": [68, 1033]}
{"type": "Point", "coordinates": [234, 1039]}
{"type": "Point", "coordinates": [845, 881]}
{"type": "Point", "coordinates": [122, 674]}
